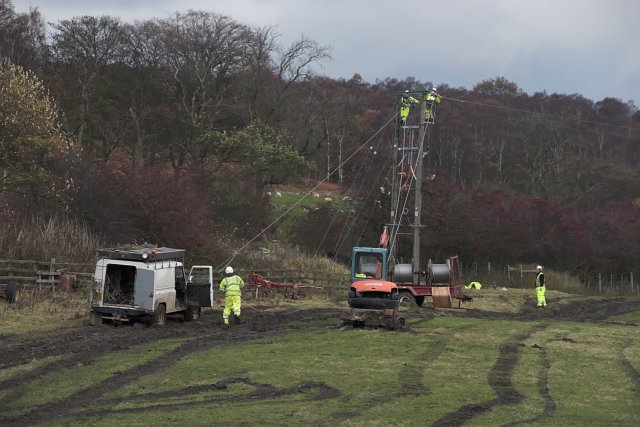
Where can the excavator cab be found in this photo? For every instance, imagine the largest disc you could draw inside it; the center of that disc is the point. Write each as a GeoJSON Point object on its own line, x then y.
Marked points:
{"type": "Point", "coordinates": [369, 287]}
{"type": "Point", "coordinates": [368, 263]}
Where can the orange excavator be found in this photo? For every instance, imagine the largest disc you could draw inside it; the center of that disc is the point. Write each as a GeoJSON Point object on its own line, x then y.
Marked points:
{"type": "Point", "coordinates": [373, 300]}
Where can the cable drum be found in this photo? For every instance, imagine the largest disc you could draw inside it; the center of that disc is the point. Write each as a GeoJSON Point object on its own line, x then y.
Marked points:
{"type": "Point", "coordinates": [403, 273]}
{"type": "Point", "coordinates": [438, 273]}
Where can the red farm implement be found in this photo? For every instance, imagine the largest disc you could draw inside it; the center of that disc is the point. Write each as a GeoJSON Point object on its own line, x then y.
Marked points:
{"type": "Point", "coordinates": [270, 288]}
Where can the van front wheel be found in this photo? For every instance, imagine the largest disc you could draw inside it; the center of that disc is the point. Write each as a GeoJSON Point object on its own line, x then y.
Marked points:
{"type": "Point", "coordinates": [191, 313]}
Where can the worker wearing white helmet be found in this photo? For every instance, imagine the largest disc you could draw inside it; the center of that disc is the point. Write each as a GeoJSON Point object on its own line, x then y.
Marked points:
{"type": "Point", "coordinates": [432, 98]}
{"type": "Point", "coordinates": [405, 106]}
{"type": "Point", "coordinates": [540, 287]}
{"type": "Point", "coordinates": [231, 287]}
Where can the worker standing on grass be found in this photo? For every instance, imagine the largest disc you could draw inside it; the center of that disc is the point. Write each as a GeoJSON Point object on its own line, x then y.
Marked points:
{"type": "Point", "coordinates": [405, 106]}
{"type": "Point", "coordinates": [540, 288]}
{"type": "Point", "coordinates": [432, 98]}
{"type": "Point", "coordinates": [230, 286]}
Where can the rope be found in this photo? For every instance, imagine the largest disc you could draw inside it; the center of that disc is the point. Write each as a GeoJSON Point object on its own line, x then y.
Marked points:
{"type": "Point", "coordinates": [266, 312]}
{"type": "Point", "coordinates": [264, 230]}
{"type": "Point", "coordinates": [336, 214]}
{"type": "Point", "coordinates": [343, 236]}
{"type": "Point", "coordinates": [353, 223]}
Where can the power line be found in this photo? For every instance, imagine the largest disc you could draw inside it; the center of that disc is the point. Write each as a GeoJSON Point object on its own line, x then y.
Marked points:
{"type": "Point", "coordinates": [628, 129]}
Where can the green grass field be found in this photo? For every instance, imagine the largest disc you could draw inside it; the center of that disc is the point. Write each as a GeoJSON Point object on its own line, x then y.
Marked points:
{"type": "Point", "coordinates": [293, 365]}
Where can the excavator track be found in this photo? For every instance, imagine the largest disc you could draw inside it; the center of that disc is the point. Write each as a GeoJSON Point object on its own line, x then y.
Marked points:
{"type": "Point", "coordinates": [357, 317]}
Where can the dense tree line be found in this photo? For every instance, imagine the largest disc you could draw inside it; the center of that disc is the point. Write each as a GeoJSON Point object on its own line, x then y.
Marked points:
{"type": "Point", "coordinates": [173, 130]}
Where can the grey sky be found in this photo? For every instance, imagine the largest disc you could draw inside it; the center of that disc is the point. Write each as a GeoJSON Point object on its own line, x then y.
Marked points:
{"type": "Point", "coordinates": [589, 47]}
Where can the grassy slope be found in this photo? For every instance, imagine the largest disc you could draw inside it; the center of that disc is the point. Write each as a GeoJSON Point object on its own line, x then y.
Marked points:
{"type": "Point", "coordinates": [414, 378]}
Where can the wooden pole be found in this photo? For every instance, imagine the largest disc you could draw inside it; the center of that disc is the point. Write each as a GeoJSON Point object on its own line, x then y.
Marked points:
{"type": "Point", "coordinates": [599, 283]}
{"type": "Point", "coordinates": [417, 208]}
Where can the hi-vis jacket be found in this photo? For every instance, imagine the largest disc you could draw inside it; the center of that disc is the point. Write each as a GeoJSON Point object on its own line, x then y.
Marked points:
{"type": "Point", "coordinates": [540, 280]}
{"type": "Point", "coordinates": [231, 285]}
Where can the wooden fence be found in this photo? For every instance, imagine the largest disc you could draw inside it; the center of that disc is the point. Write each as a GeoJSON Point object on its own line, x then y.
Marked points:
{"type": "Point", "coordinates": [52, 273]}
{"type": "Point", "coordinates": [524, 276]}
{"type": "Point", "coordinates": [45, 273]}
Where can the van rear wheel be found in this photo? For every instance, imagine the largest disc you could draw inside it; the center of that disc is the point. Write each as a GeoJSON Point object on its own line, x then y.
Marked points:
{"type": "Point", "coordinates": [12, 293]}
{"type": "Point", "coordinates": [159, 317]}
{"type": "Point", "coordinates": [95, 318]}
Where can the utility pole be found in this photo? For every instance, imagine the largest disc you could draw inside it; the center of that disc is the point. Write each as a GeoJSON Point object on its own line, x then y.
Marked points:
{"type": "Point", "coordinates": [395, 194]}
{"type": "Point", "coordinates": [417, 208]}
{"type": "Point", "coordinates": [406, 175]}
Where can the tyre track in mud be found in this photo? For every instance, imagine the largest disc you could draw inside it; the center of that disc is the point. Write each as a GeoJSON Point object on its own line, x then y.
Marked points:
{"type": "Point", "coordinates": [312, 391]}
{"type": "Point", "coordinates": [410, 377]}
{"type": "Point", "coordinates": [543, 390]}
{"type": "Point", "coordinates": [499, 380]}
{"type": "Point", "coordinates": [78, 345]}
{"type": "Point", "coordinates": [632, 373]}
{"type": "Point", "coordinates": [409, 383]}
{"type": "Point", "coordinates": [590, 311]}
{"type": "Point", "coordinates": [256, 325]}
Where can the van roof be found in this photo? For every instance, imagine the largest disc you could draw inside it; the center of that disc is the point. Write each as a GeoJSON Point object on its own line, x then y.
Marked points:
{"type": "Point", "coordinates": [141, 253]}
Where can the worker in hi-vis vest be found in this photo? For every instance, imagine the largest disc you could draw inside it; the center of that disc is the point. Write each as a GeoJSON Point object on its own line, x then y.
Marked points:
{"type": "Point", "coordinates": [230, 286]}
{"type": "Point", "coordinates": [405, 106]}
{"type": "Point", "coordinates": [540, 288]}
{"type": "Point", "coordinates": [432, 98]}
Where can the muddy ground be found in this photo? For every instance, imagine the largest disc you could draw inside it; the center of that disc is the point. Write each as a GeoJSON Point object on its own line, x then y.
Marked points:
{"type": "Point", "coordinates": [85, 344]}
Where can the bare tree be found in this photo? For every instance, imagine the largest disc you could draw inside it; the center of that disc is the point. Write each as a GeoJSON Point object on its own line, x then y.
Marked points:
{"type": "Point", "coordinates": [145, 56]}
{"type": "Point", "coordinates": [87, 45]}
{"type": "Point", "coordinates": [22, 36]}
{"type": "Point", "coordinates": [294, 64]}
{"type": "Point", "coordinates": [203, 50]}
{"type": "Point", "coordinates": [258, 76]}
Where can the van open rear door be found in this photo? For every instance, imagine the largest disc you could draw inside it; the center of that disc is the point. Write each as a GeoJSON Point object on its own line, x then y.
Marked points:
{"type": "Point", "coordinates": [200, 286]}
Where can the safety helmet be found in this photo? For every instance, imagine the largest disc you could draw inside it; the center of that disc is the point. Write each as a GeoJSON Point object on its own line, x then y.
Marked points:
{"type": "Point", "coordinates": [406, 91]}
{"type": "Point", "coordinates": [435, 89]}
{"type": "Point", "coordinates": [228, 270]}
{"type": "Point", "coordinates": [539, 268]}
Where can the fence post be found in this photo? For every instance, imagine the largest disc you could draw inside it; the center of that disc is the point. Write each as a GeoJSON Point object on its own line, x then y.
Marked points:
{"type": "Point", "coordinates": [53, 282]}
{"type": "Point", "coordinates": [599, 283]}
{"type": "Point", "coordinates": [631, 280]}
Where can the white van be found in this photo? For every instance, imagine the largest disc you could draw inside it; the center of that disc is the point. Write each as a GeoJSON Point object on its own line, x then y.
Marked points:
{"type": "Point", "coordinates": [146, 284]}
